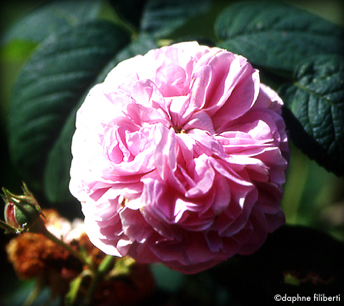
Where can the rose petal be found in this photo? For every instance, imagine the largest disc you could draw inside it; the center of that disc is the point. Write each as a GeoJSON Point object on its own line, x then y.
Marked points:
{"type": "Point", "coordinates": [179, 157]}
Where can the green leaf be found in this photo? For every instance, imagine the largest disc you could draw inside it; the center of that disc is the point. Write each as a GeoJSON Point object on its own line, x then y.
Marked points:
{"type": "Point", "coordinates": [161, 17]}
{"type": "Point", "coordinates": [51, 18]}
{"type": "Point", "coordinates": [56, 174]}
{"type": "Point", "coordinates": [314, 111]}
{"type": "Point", "coordinates": [275, 35]}
{"type": "Point", "coordinates": [50, 85]}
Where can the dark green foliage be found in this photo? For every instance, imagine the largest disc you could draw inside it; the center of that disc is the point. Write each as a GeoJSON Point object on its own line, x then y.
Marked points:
{"type": "Point", "coordinates": [314, 110]}
{"type": "Point", "coordinates": [276, 36]}
{"type": "Point", "coordinates": [50, 85]}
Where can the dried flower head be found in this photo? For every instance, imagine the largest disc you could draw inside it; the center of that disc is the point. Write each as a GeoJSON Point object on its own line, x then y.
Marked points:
{"type": "Point", "coordinates": [35, 256]}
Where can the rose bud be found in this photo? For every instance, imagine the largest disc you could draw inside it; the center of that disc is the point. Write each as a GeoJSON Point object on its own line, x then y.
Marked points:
{"type": "Point", "coordinates": [22, 212]}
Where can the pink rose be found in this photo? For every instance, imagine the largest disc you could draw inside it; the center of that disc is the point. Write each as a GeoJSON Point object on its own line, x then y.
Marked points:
{"type": "Point", "coordinates": [179, 158]}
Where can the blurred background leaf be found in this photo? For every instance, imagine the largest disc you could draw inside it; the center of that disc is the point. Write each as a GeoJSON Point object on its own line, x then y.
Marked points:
{"type": "Point", "coordinates": [45, 20]}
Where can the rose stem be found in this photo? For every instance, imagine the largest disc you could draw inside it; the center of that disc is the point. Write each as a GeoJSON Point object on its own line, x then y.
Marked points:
{"type": "Point", "coordinates": [59, 242]}
{"type": "Point", "coordinates": [106, 265]}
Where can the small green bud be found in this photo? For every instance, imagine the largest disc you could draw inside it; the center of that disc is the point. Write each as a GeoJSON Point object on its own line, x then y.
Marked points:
{"type": "Point", "coordinates": [22, 212]}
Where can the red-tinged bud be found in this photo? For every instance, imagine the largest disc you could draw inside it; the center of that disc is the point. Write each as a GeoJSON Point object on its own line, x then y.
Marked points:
{"type": "Point", "coordinates": [22, 212]}
{"type": "Point", "coordinates": [10, 215]}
